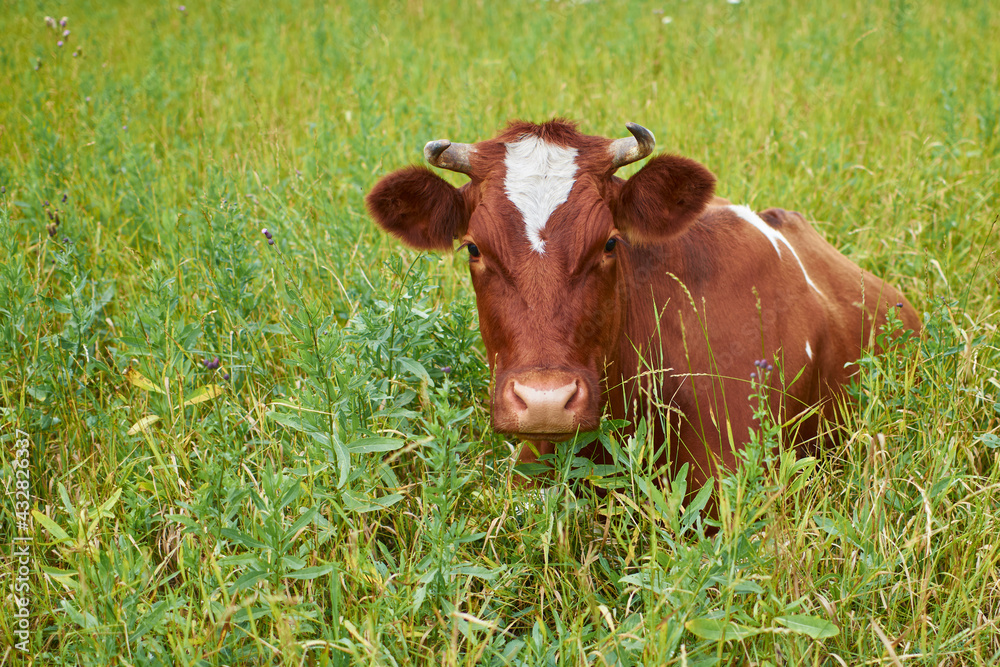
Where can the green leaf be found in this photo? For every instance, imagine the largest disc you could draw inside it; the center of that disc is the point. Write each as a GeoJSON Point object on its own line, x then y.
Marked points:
{"type": "Point", "coordinates": [51, 526]}
{"type": "Point", "coordinates": [247, 580]}
{"type": "Point", "coordinates": [988, 439]}
{"type": "Point", "coordinates": [242, 538]}
{"type": "Point", "coordinates": [310, 572]}
{"type": "Point", "coordinates": [416, 368]}
{"type": "Point", "coordinates": [293, 422]}
{"type": "Point", "coordinates": [360, 503]}
{"type": "Point", "coordinates": [716, 630]}
{"type": "Point", "coordinates": [817, 628]}
{"type": "Point", "coordinates": [105, 509]}
{"type": "Point", "coordinates": [367, 445]}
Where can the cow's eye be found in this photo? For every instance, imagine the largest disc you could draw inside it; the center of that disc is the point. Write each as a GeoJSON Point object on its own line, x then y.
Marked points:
{"type": "Point", "coordinates": [473, 250]}
{"type": "Point", "coordinates": [610, 245]}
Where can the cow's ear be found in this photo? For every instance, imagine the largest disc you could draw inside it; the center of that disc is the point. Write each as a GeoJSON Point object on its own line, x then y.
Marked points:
{"type": "Point", "coordinates": [420, 208]}
{"type": "Point", "coordinates": [662, 198]}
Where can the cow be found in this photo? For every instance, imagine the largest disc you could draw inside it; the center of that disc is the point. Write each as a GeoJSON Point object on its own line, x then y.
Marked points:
{"type": "Point", "coordinates": [639, 297]}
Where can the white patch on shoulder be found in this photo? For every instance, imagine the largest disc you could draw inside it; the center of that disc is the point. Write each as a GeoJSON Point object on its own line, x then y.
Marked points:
{"type": "Point", "coordinates": [539, 178]}
{"type": "Point", "coordinates": [809, 351]}
{"type": "Point", "coordinates": [773, 235]}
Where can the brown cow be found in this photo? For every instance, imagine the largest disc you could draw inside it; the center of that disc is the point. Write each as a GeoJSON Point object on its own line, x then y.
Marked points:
{"type": "Point", "coordinates": [643, 295]}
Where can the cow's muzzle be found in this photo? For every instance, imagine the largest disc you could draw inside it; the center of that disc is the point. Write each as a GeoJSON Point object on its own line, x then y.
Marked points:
{"type": "Point", "coordinates": [551, 405]}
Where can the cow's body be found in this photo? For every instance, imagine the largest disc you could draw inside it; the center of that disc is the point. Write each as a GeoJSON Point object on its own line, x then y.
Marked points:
{"type": "Point", "coordinates": [645, 295]}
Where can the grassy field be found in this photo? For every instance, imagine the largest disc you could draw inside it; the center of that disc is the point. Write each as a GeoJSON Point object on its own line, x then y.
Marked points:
{"type": "Point", "coordinates": [217, 451]}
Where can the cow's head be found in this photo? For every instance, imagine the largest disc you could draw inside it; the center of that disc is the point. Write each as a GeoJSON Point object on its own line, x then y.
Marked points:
{"type": "Point", "coordinates": [549, 230]}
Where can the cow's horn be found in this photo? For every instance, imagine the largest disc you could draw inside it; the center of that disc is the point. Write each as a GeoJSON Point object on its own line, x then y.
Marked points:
{"type": "Point", "coordinates": [628, 150]}
{"type": "Point", "coordinates": [446, 155]}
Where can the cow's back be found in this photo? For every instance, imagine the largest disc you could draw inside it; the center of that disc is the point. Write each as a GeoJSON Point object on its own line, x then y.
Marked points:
{"type": "Point", "coordinates": [735, 289]}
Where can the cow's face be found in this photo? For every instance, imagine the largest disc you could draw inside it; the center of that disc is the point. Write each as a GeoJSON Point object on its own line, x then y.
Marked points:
{"type": "Point", "coordinates": [547, 229]}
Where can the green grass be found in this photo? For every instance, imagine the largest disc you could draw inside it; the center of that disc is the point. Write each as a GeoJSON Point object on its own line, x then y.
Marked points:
{"type": "Point", "coordinates": [330, 494]}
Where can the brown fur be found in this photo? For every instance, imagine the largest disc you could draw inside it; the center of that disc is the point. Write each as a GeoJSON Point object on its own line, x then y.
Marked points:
{"type": "Point", "coordinates": [676, 304]}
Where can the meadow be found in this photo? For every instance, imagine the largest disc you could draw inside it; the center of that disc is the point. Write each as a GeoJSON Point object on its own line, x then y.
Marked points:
{"type": "Point", "coordinates": [215, 450]}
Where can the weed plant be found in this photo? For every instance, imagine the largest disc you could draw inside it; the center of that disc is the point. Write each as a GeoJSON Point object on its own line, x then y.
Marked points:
{"type": "Point", "coordinates": [241, 448]}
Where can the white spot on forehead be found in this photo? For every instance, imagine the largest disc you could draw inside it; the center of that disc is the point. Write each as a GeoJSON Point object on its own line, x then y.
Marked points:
{"type": "Point", "coordinates": [809, 351]}
{"type": "Point", "coordinates": [773, 235]}
{"type": "Point", "coordinates": [539, 178]}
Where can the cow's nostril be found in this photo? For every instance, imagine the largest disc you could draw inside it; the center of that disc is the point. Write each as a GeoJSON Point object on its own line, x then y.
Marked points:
{"type": "Point", "coordinates": [514, 397]}
{"type": "Point", "coordinates": [578, 398]}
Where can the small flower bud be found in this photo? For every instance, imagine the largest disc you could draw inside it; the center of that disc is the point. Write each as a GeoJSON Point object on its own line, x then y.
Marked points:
{"type": "Point", "coordinates": [63, 21]}
{"type": "Point", "coordinates": [65, 197]}
{"type": "Point", "coordinates": [270, 242]}
{"type": "Point", "coordinates": [753, 376]}
{"type": "Point", "coordinates": [899, 304]}
{"type": "Point", "coordinates": [225, 376]}
{"type": "Point", "coordinates": [446, 369]}
{"type": "Point", "coordinates": [59, 43]}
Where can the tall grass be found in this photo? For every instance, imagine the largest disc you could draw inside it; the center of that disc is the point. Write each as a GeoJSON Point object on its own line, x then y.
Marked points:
{"type": "Point", "coordinates": [244, 453]}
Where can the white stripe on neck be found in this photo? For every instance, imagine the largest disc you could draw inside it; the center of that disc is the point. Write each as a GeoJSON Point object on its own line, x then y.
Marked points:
{"type": "Point", "coordinates": [774, 236]}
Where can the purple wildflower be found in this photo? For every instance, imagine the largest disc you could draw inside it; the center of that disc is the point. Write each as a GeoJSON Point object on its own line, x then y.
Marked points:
{"type": "Point", "coordinates": [63, 21]}
{"type": "Point", "coordinates": [225, 376]}
{"type": "Point", "coordinates": [59, 43]}
{"type": "Point", "coordinates": [446, 369]}
{"type": "Point", "coordinates": [66, 33]}
{"type": "Point", "coordinates": [182, 9]}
